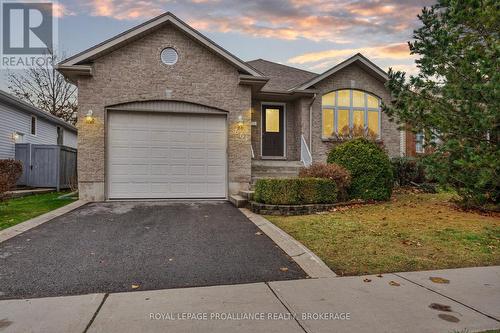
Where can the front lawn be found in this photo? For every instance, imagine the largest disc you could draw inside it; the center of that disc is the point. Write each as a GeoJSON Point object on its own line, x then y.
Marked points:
{"type": "Point", "coordinates": [411, 232]}
{"type": "Point", "coordinates": [18, 210]}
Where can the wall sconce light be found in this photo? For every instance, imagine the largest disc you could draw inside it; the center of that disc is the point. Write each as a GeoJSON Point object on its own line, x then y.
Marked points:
{"type": "Point", "coordinates": [89, 118]}
{"type": "Point", "coordinates": [15, 136]}
{"type": "Point", "coordinates": [240, 122]}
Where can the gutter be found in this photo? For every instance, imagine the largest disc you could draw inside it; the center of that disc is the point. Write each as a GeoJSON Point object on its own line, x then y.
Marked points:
{"type": "Point", "coordinates": [310, 122]}
{"type": "Point", "coordinates": [18, 104]}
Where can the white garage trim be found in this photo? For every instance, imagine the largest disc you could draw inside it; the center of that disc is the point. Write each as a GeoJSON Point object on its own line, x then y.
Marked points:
{"type": "Point", "coordinates": [155, 155]}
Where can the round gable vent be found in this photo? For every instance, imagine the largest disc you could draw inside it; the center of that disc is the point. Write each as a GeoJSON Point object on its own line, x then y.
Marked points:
{"type": "Point", "coordinates": [169, 56]}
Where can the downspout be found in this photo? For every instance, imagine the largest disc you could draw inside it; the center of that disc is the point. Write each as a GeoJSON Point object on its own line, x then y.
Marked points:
{"type": "Point", "coordinates": [310, 122]}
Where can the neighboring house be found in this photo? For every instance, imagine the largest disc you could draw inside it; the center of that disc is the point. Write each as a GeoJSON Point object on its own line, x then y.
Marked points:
{"type": "Point", "coordinates": [414, 143]}
{"type": "Point", "coordinates": [167, 113]}
{"type": "Point", "coordinates": [22, 123]}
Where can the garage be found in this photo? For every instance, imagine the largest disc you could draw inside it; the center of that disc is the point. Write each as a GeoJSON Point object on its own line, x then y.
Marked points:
{"type": "Point", "coordinates": [159, 155]}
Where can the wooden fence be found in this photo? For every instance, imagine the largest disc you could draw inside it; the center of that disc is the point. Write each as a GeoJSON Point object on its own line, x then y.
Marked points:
{"type": "Point", "coordinates": [47, 165]}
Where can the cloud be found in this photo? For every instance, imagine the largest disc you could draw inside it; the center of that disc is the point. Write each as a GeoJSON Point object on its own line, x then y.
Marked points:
{"type": "Point", "coordinates": [59, 10]}
{"type": "Point", "coordinates": [395, 55]}
{"type": "Point", "coordinates": [339, 22]}
{"type": "Point", "coordinates": [125, 9]}
{"type": "Point", "coordinates": [391, 51]}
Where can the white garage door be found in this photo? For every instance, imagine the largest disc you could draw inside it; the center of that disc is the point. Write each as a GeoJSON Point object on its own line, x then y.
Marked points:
{"type": "Point", "coordinates": [165, 155]}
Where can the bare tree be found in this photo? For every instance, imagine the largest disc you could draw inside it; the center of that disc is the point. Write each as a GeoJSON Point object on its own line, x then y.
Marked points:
{"type": "Point", "coordinates": [45, 88]}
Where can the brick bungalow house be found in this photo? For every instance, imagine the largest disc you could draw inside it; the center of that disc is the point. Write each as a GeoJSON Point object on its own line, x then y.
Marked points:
{"type": "Point", "coordinates": [164, 112]}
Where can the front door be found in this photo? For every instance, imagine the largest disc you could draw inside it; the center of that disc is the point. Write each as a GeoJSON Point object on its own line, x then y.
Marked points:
{"type": "Point", "coordinates": [273, 131]}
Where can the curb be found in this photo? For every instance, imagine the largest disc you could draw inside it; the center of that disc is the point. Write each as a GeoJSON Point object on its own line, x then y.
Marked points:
{"type": "Point", "coordinates": [305, 258]}
{"type": "Point", "coordinates": [25, 193]}
{"type": "Point", "coordinates": [36, 221]}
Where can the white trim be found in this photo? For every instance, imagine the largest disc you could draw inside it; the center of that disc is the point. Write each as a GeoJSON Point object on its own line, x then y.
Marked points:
{"type": "Point", "coordinates": [402, 143]}
{"type": "Point", "coordinates": [143, 29]}
{"type": "Point", "coordinates": [106, 157]}
{"type": "Point", "coordinates": [284, 131]}
{"type": "Point", "coordinates": [345, 63]}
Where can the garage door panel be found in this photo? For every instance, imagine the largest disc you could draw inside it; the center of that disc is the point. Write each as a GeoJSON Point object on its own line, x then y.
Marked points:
{"type": "Point", "coordinates": [161, 155]}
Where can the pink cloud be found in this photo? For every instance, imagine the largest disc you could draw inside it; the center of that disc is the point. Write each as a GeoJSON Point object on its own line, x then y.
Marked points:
{"type": "Point", "coordinates": [125, 9]}
{"type": "Point", "coordinates": [318, 20]}
{"type": "Point", "coordinates": [391, 51]}
{"type": "Point", "coordinates": [59, 10]}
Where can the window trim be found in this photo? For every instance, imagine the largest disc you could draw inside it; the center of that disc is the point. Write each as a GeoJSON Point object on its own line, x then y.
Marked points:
{"type": "Point", "coordinates": [34, 125]}
{"type": "Point", "coordinates": [285, 153]}
{"type": "Point", "coordinates": [60, 130]}
{"type": "Point", "coordinates": [351, 109]}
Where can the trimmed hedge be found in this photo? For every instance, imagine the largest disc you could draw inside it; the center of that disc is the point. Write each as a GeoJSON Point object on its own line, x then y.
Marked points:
{"type": "Point", "coordinates": [295, 191]}
{"type": "Point", "coordinates": [370, 168]}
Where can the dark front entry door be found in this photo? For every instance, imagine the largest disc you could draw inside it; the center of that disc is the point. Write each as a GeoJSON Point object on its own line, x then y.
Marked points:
{"type": "Point", "coordinates": [273, 130]}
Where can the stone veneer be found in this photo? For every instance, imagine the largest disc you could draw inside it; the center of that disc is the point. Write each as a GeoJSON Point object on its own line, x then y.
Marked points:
{"type": "Point", "coordinates": [136, 73]}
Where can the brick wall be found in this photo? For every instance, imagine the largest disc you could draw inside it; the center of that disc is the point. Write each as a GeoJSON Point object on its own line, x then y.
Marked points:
{"type": "Point", "coordinates": [135, 73]}
{"type": "Point", "coordinates": [352, 77]}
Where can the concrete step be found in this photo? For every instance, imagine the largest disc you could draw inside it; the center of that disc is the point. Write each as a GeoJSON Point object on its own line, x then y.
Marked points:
{"type": "Point", "coordinates": [278, 167]}
{"type": "Point", "coordinates": [238, 201]}
{"type": "Point", "coordinates": [276, 170]}
{"type": "Point", "coordinates": [276, 163]}
{"type": "Point", "coordinates": [246, 194]}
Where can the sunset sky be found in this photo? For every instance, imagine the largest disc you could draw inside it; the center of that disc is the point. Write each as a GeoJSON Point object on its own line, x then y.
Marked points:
{"type": "Point", "coordinates": [309, 34]}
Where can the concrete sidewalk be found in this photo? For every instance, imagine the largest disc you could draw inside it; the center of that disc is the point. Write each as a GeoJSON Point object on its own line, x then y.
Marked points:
{"type": "Point", "coordinates": [402, 302]}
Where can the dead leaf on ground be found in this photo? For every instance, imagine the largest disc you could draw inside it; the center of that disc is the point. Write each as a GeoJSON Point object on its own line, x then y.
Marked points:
{"type": "Point", "coordinates": [379, 275]}
{"type": "Point", "coordinates": [135, 286]}
{"type": "Point", "coordinates": [436, 279]}
{"type": "Point", "coordinates": [394, 283]}
{"type": "Point", "coordinates": [258, 233]}
{"type": "Point", "coordinates": [367, 280]}
{"type": "Point", "coordinates": [440, 307]}
{"type": "Point", "coordinates": [284, 269]}
{"type": "Point", "coordinates": [447, 317]}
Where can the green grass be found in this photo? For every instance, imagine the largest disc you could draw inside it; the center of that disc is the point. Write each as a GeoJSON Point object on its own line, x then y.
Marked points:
{"type": "Point", "coordinates": [411, 232]}
{"type": "Point", "coordinates": [17, 210]}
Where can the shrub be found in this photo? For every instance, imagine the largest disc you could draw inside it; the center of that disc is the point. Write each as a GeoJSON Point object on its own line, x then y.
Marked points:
{"type": "Point", "coordinates": [408, 171]}
{"type": "Point", "coordinates": [10, 171]}
{"type": "Point", "coordinates": [295, 191]}
{"type": "Point", "coordinates": [334, 172]}
{"type": "Point", "coordinates": [370, 168]}
{"type": "Point", "coordinates": [4, 187]}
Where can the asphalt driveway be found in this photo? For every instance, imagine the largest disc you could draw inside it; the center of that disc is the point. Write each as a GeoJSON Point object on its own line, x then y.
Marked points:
{"type": "Point", "coordinates": [124, 246]}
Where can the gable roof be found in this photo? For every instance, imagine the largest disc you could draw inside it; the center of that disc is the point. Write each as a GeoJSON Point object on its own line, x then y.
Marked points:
{"type": "Point", "coordinates": [145, 28]}
{"type": "Point", "coordinates": [281, 77]}
{"type": "Point", "coordinates": [28, 108]}
{"type": "Point", "coordinates": [358, 57]}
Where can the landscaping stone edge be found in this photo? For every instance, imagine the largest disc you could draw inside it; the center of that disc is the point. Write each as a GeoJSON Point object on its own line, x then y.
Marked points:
{"type": "Point", "coordinates": [267, 209]}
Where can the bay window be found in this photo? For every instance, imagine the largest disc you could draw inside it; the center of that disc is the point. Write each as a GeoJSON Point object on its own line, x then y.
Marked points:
{"type": "Point", "coordinates": [346, 110]}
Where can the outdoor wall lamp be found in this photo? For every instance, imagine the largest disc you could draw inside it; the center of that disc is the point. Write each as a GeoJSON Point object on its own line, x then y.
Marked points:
{"type": "Point", "coordinates": [240, 122]}
{"type": "Point", "coordinates": [89, 118]}
{"type": "Point", "coordinates": [15, 136]}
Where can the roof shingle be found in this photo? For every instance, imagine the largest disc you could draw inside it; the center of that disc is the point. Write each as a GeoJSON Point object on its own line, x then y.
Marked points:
{"type": "Point", "coordinates": [281, 77]}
